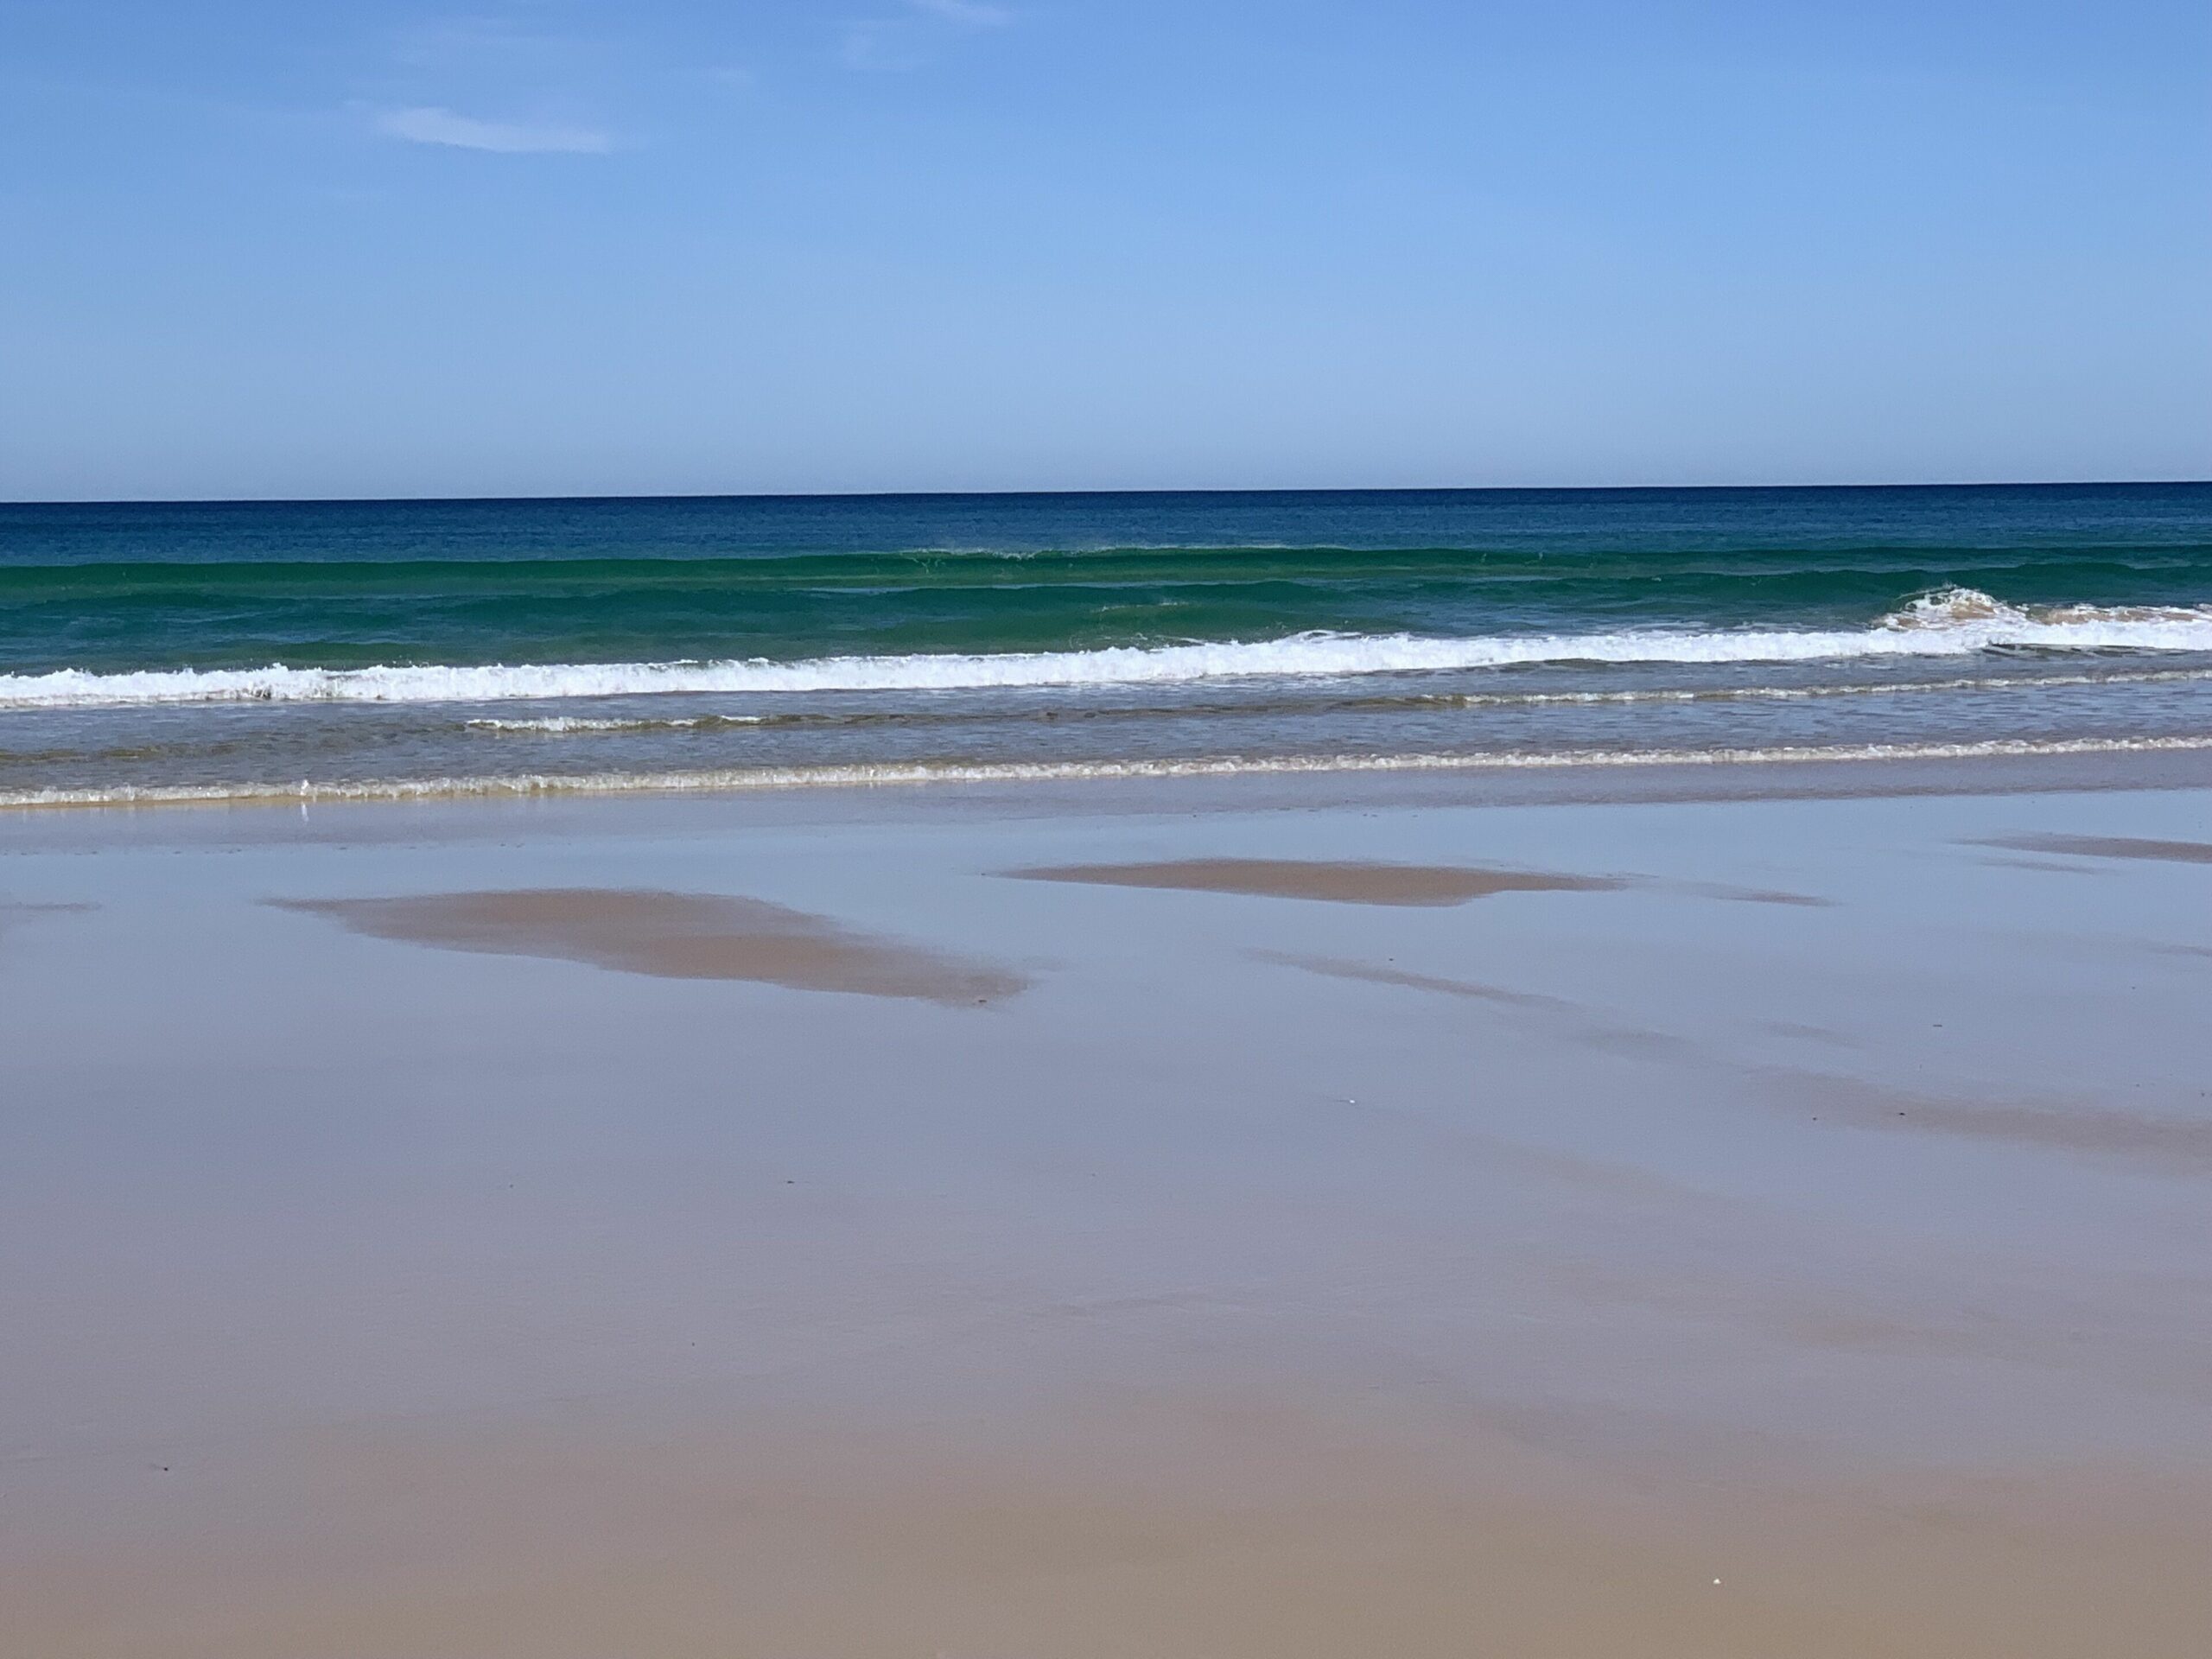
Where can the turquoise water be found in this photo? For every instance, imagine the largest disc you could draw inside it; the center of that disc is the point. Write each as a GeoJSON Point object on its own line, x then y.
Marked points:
{"type": "Point", "coordinates": [355, 584]}
{"type": "Point", "coordinates": [237, 646]}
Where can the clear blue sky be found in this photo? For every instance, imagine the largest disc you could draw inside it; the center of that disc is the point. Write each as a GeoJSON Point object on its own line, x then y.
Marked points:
{"type": "Point", "coordinates": [259, 247]}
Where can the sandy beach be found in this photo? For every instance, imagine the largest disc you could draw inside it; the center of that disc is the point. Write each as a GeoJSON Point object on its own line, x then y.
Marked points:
{"type": "Point", "coordinates": [991, 830]}
{"type": "Point", "coordinates": [1749, 1215]}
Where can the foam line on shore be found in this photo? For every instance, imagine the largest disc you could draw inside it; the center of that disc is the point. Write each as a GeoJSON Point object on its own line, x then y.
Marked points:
{"type": "Point", "coordinates": [526, 785]}
{"type": "Point", "coordinates": [634, 724]}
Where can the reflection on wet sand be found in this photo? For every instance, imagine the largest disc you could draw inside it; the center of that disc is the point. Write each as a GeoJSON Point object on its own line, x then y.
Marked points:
{"type": "Point", "coordinates": [673, 936]}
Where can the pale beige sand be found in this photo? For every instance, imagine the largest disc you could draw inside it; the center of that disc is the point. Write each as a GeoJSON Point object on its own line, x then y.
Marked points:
{"type": "Point", "coordinates": [1216, 1527]}
{"type": "Point", "coordinates": [1266, 1281]}
{"type": "Point", "coordinates": [1346, 881]}
{"type": "Point", "coordinates": [673, 936]}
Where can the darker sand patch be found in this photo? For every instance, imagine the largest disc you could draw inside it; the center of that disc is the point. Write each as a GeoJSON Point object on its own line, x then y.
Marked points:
{"type": "Point", "coordinates": [1749, 895]}
{"type": "Point", "coordinates": [1786, 1312]}
{"type": "Point", "coordinates": [1349, 882]}
{"type": "Point", "coordinates": [673, 936]}
{"type": "Point", "coordinates": [2172, 852]}
{"type": "Point", "coordinates": [2047, 866]}
{"type": "Point", "coordinates": [2197, 951]}
{"type": "Point", "coordinates": [1337, 968]}
{"type": "Point", "coordinates": [1632, 1042]}
{"type": "Point", "coordinates": [2181, 1144]}
{"type": "Point", "coordinates": [1808, 1034]}
{"type": "Point", "coordinates": [1353, 883]}
{"type": "Point", "coordinates": [11, 913]}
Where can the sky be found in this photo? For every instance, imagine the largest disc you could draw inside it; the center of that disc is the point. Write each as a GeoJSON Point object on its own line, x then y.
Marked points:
{"type": "Point", "coordinates": [254, 248]}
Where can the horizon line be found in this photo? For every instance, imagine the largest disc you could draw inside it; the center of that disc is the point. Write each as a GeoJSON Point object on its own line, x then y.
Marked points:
{"type": "Point", "coordinates": [1062, 494]}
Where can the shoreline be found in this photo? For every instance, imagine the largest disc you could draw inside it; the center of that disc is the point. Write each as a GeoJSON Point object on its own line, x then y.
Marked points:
{"type": "Point", "coordinates": [895, 776]}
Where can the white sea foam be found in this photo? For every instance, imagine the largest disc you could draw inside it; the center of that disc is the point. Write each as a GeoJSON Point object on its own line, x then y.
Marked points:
{"type": "Point", "coordinates": [1797, 693]}
{"type": "Point", "coordinates": [524, 785]}
{"type": "Point", "coordinates": [1956, 622]}
{"type": "Point", "coordinates": [578, 725]}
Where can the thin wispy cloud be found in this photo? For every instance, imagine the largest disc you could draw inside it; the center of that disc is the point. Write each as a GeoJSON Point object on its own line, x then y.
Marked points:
{"type": "Point", "coordinates": [877, 43]}
{"type": "Point", "coordinates": [974, 14]}
{"type": "Point", "coordinates": [427, 125]}
{"type": "Point", "coordinates": [903, 41]}
{"type": "Point", "coordinates": [476, 42]}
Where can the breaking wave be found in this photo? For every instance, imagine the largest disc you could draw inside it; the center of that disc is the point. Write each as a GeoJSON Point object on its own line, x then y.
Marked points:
{"type": "Point", "coordinates": [1955, 621]}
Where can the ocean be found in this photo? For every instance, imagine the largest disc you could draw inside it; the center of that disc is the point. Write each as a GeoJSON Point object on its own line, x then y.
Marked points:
{"type": "Point", "coordinates": [245, 651]}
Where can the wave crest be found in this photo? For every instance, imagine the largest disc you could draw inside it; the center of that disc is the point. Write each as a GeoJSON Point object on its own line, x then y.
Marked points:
{"type": "Point", "coordinates": [1954, 621]}
{"type": "Point", "coordinates": [1969, 609]}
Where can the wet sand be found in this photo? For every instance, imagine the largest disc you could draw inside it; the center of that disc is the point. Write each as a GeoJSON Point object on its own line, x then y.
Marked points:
{"type": "Point", "coordinates": [487, 1232]}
